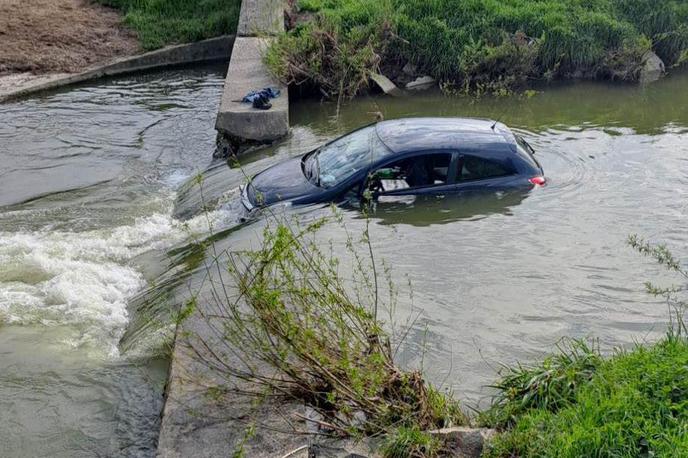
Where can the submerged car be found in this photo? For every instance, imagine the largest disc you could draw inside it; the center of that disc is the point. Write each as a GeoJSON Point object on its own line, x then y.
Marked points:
{"type": "Point", "coordinates": [412, 156]}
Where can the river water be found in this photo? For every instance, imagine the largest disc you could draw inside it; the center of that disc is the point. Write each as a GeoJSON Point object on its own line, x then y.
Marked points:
{"type": "Point", "coordinates": [98, 214]}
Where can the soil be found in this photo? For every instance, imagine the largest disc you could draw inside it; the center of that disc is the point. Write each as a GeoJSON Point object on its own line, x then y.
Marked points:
{"type": "Point", "coordinates": [60, 36]}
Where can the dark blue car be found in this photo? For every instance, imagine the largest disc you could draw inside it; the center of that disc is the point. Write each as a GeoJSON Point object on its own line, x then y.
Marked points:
{"type": "Point", "coordinates": [409, 156]}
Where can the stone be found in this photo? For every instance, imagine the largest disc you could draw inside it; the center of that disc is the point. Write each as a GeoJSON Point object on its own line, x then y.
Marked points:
{"type": "Point", "coordinates": [410, 69]}
{"type": "Point", "coordinates": [465, 442]}
{"type": "Point", "coordinates": [384, 83]}
{"type": "Point", "coordinates": [421, 83]}
{"type": "Point", "coordinates": [260, 18]}
{"type": "Point", "coordinates": [247, 72]}
{"type": "Point", "coordinates": [345, 448]}
{"type": "Point", "coordinates": [652, 69]}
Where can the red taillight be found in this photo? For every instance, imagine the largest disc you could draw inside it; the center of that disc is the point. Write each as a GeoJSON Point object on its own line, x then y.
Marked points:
{"type": "Point", "coordinates": [538, 181]}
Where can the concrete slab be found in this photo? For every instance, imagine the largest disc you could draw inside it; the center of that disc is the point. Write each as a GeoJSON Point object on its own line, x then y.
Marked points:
{"type": "Point", "coordinates": [201, 419]}
{"type": "Point", "coordinates": [261, 17]}
{"type": "Point", "coordinates": [387, 86]}
{"type": "Point", "coordinates": [247, 72]}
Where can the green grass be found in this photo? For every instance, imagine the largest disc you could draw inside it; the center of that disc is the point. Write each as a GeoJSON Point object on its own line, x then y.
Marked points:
{"type": "Point", "coordinates": [480, 45]}
{"type": "Point", "coordinates": [162, 22]}
{"type": "Point", "coordinates": [410, 442]}
{"type": "Point", "coordinates": [634, 405]}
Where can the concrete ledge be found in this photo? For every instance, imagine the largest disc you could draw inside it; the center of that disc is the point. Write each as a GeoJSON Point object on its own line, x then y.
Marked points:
{"type": "Point", "coordinates": [248, 72]}
{"type": "Point", "coordinates": [203, 51]}
{"type": "Point", "coordinates": [203, 417]}
{"type": "Point", "coordinates": [260, 18]}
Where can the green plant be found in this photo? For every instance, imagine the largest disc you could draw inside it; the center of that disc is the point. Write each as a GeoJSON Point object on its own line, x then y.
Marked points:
{"type": "Point", "coordinates": [410, 443]}
{"type": "Point", "coordinates": [478, 46]}
{"type": "Point", "coordinates": [298, 325]}
{"type": "Point", "coordinates": [550, 385]}
{"type": "Point", "coordinates": [633, 404]}
{"type": "Point", "coordinates": [672, 294]}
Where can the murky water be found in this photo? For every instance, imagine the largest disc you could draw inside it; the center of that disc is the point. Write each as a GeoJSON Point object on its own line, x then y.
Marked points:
{"type": "Point", "coordinates": [88, 178]}
{"type": "Point", "coordinates": [98, 217]}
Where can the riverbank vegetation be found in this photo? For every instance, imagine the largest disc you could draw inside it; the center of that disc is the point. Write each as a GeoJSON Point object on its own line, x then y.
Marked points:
{"type": "Point", "coordinates": [633, 404]}
{"type": "Point", "coordinates": [306, 329]}
{"type": "Point", "coordinates": [475, 45]}
{"type": "Point", "coordinates": [161, 22]}
{"type": "Point", "coordinates": [576, 403]}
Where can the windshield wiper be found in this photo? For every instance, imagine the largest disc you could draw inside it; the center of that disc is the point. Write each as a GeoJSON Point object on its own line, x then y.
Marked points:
{"type": "Point", "coordinates": [317, 165]}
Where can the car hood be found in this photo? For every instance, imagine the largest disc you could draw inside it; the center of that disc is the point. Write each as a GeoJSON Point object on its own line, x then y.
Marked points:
{"type": "Point", "coordinates": [284, 181]}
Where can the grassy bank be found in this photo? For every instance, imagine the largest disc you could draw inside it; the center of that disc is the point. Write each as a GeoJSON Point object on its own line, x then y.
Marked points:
{"type": "Point", "coordinates": [162, 22]}
{"type": "Point", "coordinates": [576, 403]}
{"type": "Point", "coordinates": [476, 45]}
{"type": "Point", "coordinates": [634, 404]}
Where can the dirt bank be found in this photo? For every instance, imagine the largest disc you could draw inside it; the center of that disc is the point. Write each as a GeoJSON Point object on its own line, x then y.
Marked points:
{"type": "Point", "coordinates": [58, 36]}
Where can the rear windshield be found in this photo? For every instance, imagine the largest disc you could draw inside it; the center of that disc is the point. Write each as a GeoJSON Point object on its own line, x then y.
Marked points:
{"type": "Point", "coordinates": [527, 151]}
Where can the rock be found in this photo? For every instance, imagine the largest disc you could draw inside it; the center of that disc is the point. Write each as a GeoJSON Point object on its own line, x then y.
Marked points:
{"type": "Point", "coordinates": [652, 69]}
{"type": "Point", "coordinates": [384, 83]}
{"type": "Point", "coordinates": [342, 449]}
{"type": "Point", "coordinates": [422, 83]}
{"type": "Point", "coordinates": [465, 442]}
{"type": "Point", "coordinates": [410, 69]}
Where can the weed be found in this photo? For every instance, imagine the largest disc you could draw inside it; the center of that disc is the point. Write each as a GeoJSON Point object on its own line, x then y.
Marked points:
{"type": "Point", "coordinates": [550, 385]}
{"type": "Point", "coordinates": [410, 443]}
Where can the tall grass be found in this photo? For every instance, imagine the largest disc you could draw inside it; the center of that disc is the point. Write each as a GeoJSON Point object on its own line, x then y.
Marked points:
{"type": "Point", "coordinates": [488, 44]}
{"type": "Point", "coordinates": [162, 22]}
{"type": "Point", "coordinates": [634, 406]}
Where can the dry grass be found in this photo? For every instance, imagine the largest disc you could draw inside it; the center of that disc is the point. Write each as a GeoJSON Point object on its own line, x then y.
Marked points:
{"type": "Point", "coordinates": [45, 36]}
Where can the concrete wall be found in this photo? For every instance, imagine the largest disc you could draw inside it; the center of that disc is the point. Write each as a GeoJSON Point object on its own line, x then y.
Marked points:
{"type": "Point", "coordinates": [240, 123]}
{"type": "Point", "coordinates": [247, 72]}
{"type": "Point", "coordinates": [203, 51]}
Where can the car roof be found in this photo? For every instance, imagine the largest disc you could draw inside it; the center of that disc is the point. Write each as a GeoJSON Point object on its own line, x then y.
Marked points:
{"type": "Point", "coordinates": [416, 134]}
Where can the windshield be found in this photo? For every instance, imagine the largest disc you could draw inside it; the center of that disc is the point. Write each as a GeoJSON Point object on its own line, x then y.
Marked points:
{"type": "Point", "coordinates": [339, 160]}
{"type": "Point", "coordinates": [529, 152]}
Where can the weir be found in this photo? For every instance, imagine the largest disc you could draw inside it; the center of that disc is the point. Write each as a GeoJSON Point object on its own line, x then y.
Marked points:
{"type": "Point", "coordinates": [239, 124]}
{"type": "Point", "coordinates": [194, 424]}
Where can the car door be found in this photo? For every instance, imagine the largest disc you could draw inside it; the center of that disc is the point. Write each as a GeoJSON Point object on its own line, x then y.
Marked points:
{"type": "Point", "coordinates": [422, 173]}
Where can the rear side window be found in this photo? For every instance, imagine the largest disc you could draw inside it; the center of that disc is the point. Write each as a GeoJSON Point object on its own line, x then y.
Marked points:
{"type": "Point", "coordinates": [475, 168]}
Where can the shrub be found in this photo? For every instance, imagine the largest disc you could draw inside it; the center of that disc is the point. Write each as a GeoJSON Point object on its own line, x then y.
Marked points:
{"type": "Point", "coordinates": [302, 328]}
{"type": "Point", "coordinates": [479, 44]}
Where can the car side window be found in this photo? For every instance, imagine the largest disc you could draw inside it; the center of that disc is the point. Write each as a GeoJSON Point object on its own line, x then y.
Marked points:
{"type": "Point", "coordinates": [475, 168]}
{"type": "Point", "coordinates": [415, 172]}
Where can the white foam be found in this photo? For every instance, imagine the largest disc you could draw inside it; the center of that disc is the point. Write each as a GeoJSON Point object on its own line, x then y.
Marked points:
{"type": "Point", "coordinates": [84, 279]}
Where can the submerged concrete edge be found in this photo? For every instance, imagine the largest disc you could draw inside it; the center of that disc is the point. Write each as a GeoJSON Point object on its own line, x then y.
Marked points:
{"type": "Point", "coordinates": [213, 49]}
